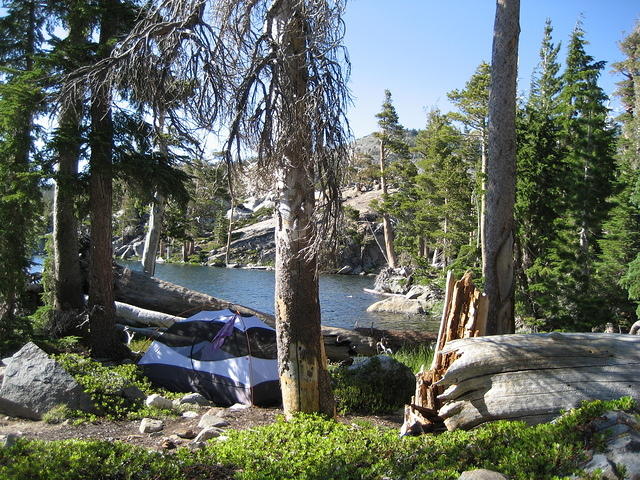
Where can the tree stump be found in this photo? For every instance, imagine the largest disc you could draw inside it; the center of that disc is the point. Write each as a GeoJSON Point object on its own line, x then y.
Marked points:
{"type": "Point", "coordinates": [464, 316]}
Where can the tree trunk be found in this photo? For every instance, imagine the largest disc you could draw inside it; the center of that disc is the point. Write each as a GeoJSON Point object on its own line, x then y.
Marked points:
{"type": "Point", "coordinates": [497, 241]}
{"type": "Point", "coordinates": [103, 336]}
{"type": "Point", "coordinates": [68, 292]}
{"type": "Point", "coordinates": [392, 260]}
{"type": "Point", "coordinates": [232, 200]}
{"type": "Point", "coordinates": [152, 239]}
{"type": "Point", "coordinates": [68, 287]}
{"type": "Point", "coordinates": [304, 378]}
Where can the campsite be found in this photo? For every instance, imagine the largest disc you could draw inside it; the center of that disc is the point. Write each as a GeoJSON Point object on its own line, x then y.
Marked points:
{"type": "Point", "coordinates": [403, 237]}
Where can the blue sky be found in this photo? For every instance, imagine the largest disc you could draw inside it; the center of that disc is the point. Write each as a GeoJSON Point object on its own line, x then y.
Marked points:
{"type": "Point", "coordinates": [421, 49]}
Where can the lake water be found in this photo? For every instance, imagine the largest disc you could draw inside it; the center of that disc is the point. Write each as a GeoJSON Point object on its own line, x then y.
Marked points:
{"type": "Point", "coordinates": [342, 298]}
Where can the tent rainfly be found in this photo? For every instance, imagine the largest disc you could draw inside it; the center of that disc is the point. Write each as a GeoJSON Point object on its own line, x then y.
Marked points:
{"type": "Point", "coordinates": [226, 357]}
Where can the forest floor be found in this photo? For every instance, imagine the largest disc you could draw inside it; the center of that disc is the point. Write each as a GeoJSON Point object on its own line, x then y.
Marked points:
{"type": "Point", "coordinates": [128, 430]}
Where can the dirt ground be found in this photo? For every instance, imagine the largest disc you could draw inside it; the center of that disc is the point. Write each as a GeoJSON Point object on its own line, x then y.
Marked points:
{"type": "Point", "coordinates": [128, 431]}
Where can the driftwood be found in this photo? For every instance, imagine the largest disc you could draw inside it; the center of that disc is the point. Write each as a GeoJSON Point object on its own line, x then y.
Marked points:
{"type": "Point", "coordinates": [533, 377]}
{"type": "Point", "coordinates": [161, 297]}
{"type": "Point", "coordinates": [464, 315]}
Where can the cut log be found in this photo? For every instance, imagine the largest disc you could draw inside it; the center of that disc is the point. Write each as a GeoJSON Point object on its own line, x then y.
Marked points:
{"type": "Point", "coordinates": [161, 297]}
{"type": "Point", "coordinates": [533, 377]}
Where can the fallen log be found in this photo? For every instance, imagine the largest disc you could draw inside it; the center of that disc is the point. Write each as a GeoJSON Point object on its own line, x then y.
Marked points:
{"type": "Point", "coordinates": [533, 377]}
{"type": "Point", "coordinates": [161, 297]}
{"type": "Point", "coordinates": [135, 288]}
{"type": "Point", "coordinates": [142, 316]}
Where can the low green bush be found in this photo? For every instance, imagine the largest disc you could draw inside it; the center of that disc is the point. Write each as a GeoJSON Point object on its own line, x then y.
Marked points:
{"type": "Point", "coordinates": [311, 447]}
{"type": "Point", "coordinates": [105, 385]}
{"type": "Point", "coordinates": [365, 390]}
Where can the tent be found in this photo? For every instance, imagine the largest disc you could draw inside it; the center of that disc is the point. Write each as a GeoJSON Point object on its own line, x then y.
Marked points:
{"type": "Point", "coordinates": [227, 357]}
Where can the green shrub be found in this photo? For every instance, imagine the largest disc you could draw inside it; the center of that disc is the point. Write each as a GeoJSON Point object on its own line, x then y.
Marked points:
{"type": "Point", "coordinates": [310, 447]}
{"type": "Point", "coordinates": [364, 390]}
{"type": "Point", "coordinates": [105, 385]}
{"type": "Point", "coordinates": [82, 460]}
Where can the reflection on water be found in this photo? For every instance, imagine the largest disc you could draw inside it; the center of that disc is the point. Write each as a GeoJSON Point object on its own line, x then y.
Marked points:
{"type": "Point", "coordinates": [342, 298]}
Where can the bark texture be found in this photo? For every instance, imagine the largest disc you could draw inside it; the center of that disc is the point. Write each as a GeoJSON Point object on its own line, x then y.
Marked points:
{"type": "Point", "coordinates": [304, 378]}
{"type": "Point", "coordinates": [68, 284]}
{"type": "Point", "coordinates": [498, 226]}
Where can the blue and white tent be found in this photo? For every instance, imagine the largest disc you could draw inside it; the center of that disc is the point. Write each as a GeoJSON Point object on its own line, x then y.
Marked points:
{"type": "Point", "coordinates": [226, 357]}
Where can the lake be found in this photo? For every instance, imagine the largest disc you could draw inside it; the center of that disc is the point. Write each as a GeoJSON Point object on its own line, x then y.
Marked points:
{"type": "Point", "coordinates": [342, 298]}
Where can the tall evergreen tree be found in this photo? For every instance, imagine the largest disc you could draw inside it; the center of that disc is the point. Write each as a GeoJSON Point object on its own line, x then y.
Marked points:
{"type": "Point", "coordinates": [391, 140]}
{"type": "Point", "coordinates": [68, 54]}
{"type": "Point", "coordinates": [20, 100]}
{"type": "Point", "coordinates": [445, 187]}
{"type": "Point", "coordinates": [103, 337]}
{"type": "Point", "coordinates": [588, 141]}
{"type": "Point", "coordinates": [540, 176]}
{"type": "Point", "coordinates": [621, 243]}
{"type": "Point", "coordinates": [473, 112]}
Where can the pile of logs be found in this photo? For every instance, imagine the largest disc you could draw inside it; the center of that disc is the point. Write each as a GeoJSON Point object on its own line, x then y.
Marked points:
{"type": "Point", "coordinates": [476, 379]}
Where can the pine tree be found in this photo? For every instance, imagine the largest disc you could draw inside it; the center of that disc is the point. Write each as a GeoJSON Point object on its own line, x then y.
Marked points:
{"type": "Point", "coordinates": [621, 243]}
{"type": "Point", "coordinates": [564, 289]}
{"type": "Point", "coordinates": [588, 160]}
{"type": "Point", "coordinates": [391, 140]}
{"type": "Point", "coordinates": [473, 106]}
{"type": "Point", "coordinates": [540, 176]}
{"type": "Point", "coordinates": [445, 210]}
{"type": "Point", "coordinates": [20, 101]}
{"type": "Point", "coordinates": [68, 54]}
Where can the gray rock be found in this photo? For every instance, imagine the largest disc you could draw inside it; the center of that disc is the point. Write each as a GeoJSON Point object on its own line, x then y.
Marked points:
{"type": "Point", "coordinates": [398, 305]}
{"type": "Point", "coordinates": [622, 435]}
{"type": "Point", "coordinates": [207, 434]}
{"type": "Point", "coordinates": [394, 280]}
{"type": "Point", "coordinates": [211, 419]}
{"type": "Point", "coordinates": [194, 399]}
{"type": "Point", "coordinates": [36, 383]}
{"type": "Point", "coordinates": [239, 406]}
{"type": "Point", "coordinates": [151, 425]}
{"type": "Point", "coordinates": [189, 414]}
{"type": "Point", "coordinates": [417, 291]}
{"type": "Point", "coordinates": [8, 440]}
{"type": "Point", "coordinates": [158, 401]}
{"type": "Point", "coordinates": [481, 474]}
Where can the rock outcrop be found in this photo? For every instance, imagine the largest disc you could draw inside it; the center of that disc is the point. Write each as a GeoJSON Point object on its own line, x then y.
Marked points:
{"type": "Point", "coordinates": [34, 383]}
